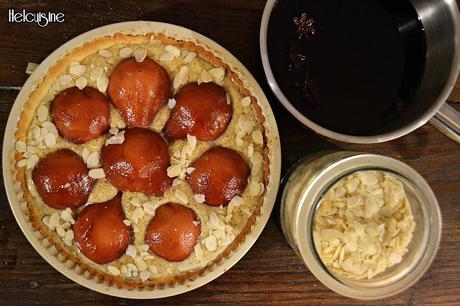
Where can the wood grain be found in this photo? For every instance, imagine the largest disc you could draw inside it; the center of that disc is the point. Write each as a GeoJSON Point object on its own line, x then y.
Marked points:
{"type": "Point", "coordinates": [270, 273]}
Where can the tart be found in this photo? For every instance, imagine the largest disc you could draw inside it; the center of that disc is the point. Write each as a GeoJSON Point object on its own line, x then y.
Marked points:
{"type": "Point", "coordinates": [143, 159]}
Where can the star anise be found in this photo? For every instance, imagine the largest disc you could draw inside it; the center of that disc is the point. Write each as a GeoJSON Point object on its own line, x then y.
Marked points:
{"type": "Point", "coordinates": [296, 60]}
{"type": "Point", "coordinates": [305, 26]}
{"type": "Point", "coordinates": [308, 91]}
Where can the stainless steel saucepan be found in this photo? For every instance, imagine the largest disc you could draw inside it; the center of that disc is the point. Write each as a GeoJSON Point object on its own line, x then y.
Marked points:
{"type": "Point", "coordinates": [441, 22]}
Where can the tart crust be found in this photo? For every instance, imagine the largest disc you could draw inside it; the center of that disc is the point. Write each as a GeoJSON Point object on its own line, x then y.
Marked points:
{"type": "Point", "coordinates": [27, 117]}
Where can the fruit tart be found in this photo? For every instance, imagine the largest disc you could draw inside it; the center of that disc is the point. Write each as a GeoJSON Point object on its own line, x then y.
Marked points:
{"type": "Point", "coordinates": [142, 159]}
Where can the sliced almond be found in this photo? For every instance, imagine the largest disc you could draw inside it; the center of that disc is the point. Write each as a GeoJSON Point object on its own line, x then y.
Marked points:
{"type": "Point", "coordinates": [65, 79]}
{"type": "Point", "coordinates": [93, 160]}
{"type": "Point", "coordinates": [200, 198]}
{"type": "Point", "coordinates": [20, 146]}
{"type": "Point", "coordinates": [211, 243]}
{"type": "Point", "coordinates": [125, 52]}
{"type": "Point", "coordinates": [166, 57]}
{"type": "Point", "coordinates": [191, 141]}
{"type": "Point", "coordinates": [217, 74]}
{"type": "Point", "coordinates": [171, 103]}
{"type": "Point", "coordinates": [113, 270]}
{"type": "Point", "coordinates": [102, 83]}
{"type": "Point", "coordinates": [144, 275]}
{"type": "Point", "coordinates": [173, 50]}
{"type": "Point", "coordinates": [174, 171]}
{"type": "Point", "coordinates": [105, 53]}
{"type": "Point", "coordinates": [246, 101]}
{"type": "Point", "coordinates": [189, 58]}
{"type": "Point", "coordinates": [50, 140]}
{"type": "Point", "coordinates": [77, 70]}
{"type": "Point", "coordinates": [127, 222]}
{"type": "Point", "coordinates": [140, 54]}
{"type": "Point", "coordinates": [97, 173]}
{"type": "Point", "coordinates": [81, 82]}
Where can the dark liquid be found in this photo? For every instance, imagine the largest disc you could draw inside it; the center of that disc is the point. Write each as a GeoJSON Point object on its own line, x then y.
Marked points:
{"type": "Point", "coordinates": [362, 67]}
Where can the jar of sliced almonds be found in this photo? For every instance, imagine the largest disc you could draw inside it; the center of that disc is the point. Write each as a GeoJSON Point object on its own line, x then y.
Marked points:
{"type": "Point", "coordinates": [367, 226]}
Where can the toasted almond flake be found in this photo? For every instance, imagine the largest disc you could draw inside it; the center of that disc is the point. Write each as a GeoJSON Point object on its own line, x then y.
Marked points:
{"type": "Point", "coordinates": [189, 58]}
{"type": "Point", "coordinates": [176, 82]}
{"type": "Point", "coordinates": [131, 251]}
{"type": "Point", "coordinates": [237, 201]}
{"type": "Point", "coordinates": [153, 269]}
{"type": "Point", "coordinates": [136, 202]}
{"type": "Point", "coordinates": [77, 70]}
{"type": "Point", "coordinates": [37, 132]}
{"type": "Point", "coordinates": [124, 270]}
{"type": "Point", "coordinates": [93, 160]}
{"type": "Point", "coordinates": [214, 219]}
{"type": "Point", "coordinates": [22, 163]}
{"type": "Point", "coordinates": [217, 74]}
{"type": "Point", "coordinates": [31, 67]}
{"type": "Point", "coordinates": [125, 52]}
{"type": "Point", "coordinates": [166, 57]}
{"type": "Point", "coordinates": [60, 231]}
{"type": "Point", "coordinates": [69, 235]}
{"type": "Point", "coordinates": [198, 251]}
{"type": "Point", "coordinates": [211, 243]}
{"type": "Point", "coordinates": [250, 150]}
{"type": "Point", "coordinates": [102, 83]}
{"type": "Point", "coordinates": [257, 137]}
{"type": "Point", "coordinates": [140, 54]}
{"type": "Point", "coordinates": [96, 73]}
{"type": "Point", "coordinates": [181, 196]}
{"type": "Point", "coordinates": [190, 170]}
{"type": "Point", "coordinates": [171, 103]}
{"type": "Point", "coordinates": [32, 161]}
{"type": "Point", "coordinates": [144, 275]}
{"type": "Point", "coordinates": [81, 82]}
{"type": "Point", "coordinates": [205, 76]}
{"type": "Point", "coordinates": [173, 50]}
{"type": "Point", "coordinates": [49, 128]}
{"type": "Point", "coordinates": [50, 140]}
{"type": "Point", "coordinates": [116, 139]}
{"type": "Point", "coordinates": [65, 79]}
{"type": "Point", "coordinates": [191, 141]}
{"type": "Point", "coordinates": [85, 154]}
{"type": "Point", "coordinates": [113, 270]}
{"type": "Point", "coordinates": [138, 214]}
{"type": "Point", "coordinates": [20, 146]}
{"type": "Point", "coordinates": [246, 101]}
{"type": "Point", "coordinates": [105, 53]}
{"type": "Point", "coordinates": [174, 171]}
{"type": "Point", "coordinates": [54, 220]}
{"type": "Point", "coordinates": [183, 75]}
{"type": "Point", "coordinates": [42, 113]}
{"type": "Point", "coordinates": [113, 130]}
{"type": "Point", "coordinates": [140, 264]}
{"type": "Point", "coordinates": [149, 208]}
{"type": "Point", "coordinates": [97, 173]}
{"type": "Point", "coordinates": [127, 222]}
{"type": "Point", "coordinates": [199, 198]}
{"type": "Point", "coordinates": [66, 215]}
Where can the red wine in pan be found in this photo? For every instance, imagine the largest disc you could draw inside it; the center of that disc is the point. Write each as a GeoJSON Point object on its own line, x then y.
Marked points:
{"type": "Point", "coordinates": [350, 66]}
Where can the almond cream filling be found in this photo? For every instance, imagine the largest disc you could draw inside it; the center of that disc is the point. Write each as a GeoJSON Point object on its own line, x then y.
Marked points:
{"type": "Point", "coordinates": [219, 225]}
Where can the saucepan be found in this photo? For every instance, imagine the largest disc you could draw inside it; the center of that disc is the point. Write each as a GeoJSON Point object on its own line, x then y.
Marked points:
{"type": "Point", "coordinates": [441, 23]}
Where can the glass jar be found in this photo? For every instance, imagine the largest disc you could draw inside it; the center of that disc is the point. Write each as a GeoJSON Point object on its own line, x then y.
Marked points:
{"type": "Point", "coordinates": [312, 177]}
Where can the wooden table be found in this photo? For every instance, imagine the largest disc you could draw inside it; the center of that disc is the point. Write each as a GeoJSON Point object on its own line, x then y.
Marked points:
{"type": "Point", "coordinates": [270, 272]}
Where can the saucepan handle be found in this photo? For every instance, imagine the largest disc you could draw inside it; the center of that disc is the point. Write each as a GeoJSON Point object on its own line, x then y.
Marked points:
{"type": "Point", "coordinates": [447, 120]}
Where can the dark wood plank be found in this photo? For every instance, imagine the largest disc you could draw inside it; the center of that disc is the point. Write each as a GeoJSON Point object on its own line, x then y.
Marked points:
{"type": "Point", "coordinates": [270, 273]}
